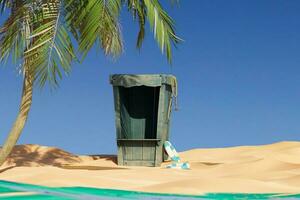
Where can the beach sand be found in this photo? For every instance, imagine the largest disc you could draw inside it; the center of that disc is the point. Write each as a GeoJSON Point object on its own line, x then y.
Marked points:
{"type": "Point", "coordinates": [273, 168]}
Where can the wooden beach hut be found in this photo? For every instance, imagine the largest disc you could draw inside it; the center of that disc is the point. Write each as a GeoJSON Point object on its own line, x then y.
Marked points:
{"type": "Point", "coordinates": [143, 107]}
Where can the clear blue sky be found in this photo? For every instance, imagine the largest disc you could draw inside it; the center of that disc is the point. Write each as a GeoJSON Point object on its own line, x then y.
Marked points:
{"type": "Point", "coordinates": [238, 72]}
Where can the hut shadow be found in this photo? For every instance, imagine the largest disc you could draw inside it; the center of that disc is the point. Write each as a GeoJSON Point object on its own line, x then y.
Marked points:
{"type": "Point", "coordinates": [210, 163]}
{"type": "Point", "coordinates": [90, 167]}
{"type": "Point", "coordinates": [108, 157]}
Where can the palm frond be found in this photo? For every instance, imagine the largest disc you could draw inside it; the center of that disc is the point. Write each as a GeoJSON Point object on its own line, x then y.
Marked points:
{"type": "Point", "coordinates": [13, 34]}
{"type": "Point", "coordinates": [138, 11]}
{"type": "Point", "coordinates": [98, 23]}
{"type": "Point", "coordinates": [162, 26]}
{"type": "Point", "coordinates": [51, 50]}
{"type": "Point", "coordinates": [37, 32]}
{"type": "Point", "coordinates": [3, 5]}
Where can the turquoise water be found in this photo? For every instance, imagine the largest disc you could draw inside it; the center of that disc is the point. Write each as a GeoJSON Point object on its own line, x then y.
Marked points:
{"type": "Point", "coordinates": [84, 193]}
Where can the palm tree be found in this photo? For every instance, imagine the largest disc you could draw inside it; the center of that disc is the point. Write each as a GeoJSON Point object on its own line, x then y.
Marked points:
{"type": "Point", "coordinates": [40, 35]}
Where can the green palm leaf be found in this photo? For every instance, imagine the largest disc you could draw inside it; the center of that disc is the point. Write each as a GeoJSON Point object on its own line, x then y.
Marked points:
{"type": "Point", "coordinates": [138, 11]}
{"type": "Point", "coordinates": [51, 51]}
{"type": "Point", "coordinates": [162, 26]}
{"type": "Point", "coordinates": [13, 35]}
{"type": "Point", "coordinates": [160, 22]}
{"type": "Point", "coordinates": [98, 23]}
{"type": "Point", "coordinates": [38, 31]}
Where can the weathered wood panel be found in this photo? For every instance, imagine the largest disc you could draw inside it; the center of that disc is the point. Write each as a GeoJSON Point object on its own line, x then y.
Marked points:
{"type": "Point", "coordinates": [149, 149]}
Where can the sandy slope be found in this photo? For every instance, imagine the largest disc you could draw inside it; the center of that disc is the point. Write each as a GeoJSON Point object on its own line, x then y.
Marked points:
{"type": "Point", "coordinates": [258, 169]}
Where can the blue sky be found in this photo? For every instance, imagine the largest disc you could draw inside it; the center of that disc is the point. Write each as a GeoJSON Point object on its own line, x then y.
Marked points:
{"type": "Point", "coordinates": [238, 72]}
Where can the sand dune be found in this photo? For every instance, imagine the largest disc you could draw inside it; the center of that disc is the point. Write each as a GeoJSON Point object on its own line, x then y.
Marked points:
{"type": "Point", "coordinates": [252, 169]}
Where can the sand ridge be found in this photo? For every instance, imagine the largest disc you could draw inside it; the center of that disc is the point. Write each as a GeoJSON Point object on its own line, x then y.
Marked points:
{"type": "Point", "coordinates": [273, 168]}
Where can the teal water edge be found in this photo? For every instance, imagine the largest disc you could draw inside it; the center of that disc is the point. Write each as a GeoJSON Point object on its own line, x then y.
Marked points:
{"type": "Point", "coordinates": [12, 191]}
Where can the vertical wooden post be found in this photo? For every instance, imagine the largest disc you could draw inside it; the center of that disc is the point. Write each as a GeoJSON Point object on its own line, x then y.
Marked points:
{"type": "Point", "coordinates": [118, 124]}
{"type": "Point", "coordinates": [160, 125]}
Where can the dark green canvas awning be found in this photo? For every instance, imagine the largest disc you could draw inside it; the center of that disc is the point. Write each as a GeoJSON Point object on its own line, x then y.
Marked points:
{"type": "Point", "coordinates": [150, 80]}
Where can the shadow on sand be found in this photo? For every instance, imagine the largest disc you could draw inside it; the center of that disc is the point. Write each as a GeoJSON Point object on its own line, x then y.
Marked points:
{"type": "Point", "coordinates": [37, 156]}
